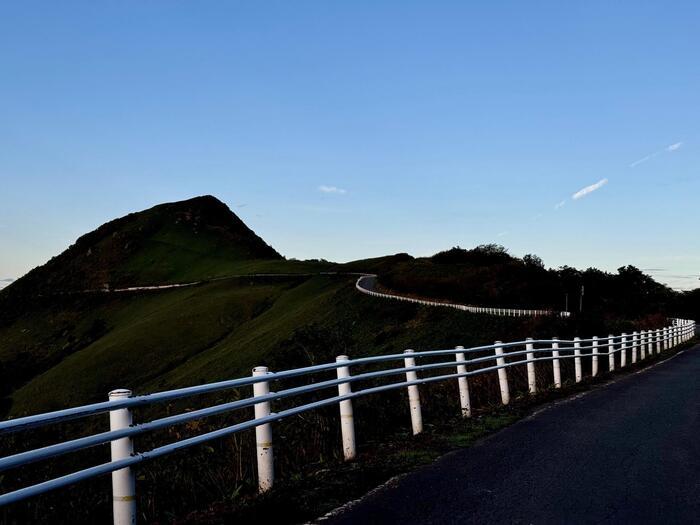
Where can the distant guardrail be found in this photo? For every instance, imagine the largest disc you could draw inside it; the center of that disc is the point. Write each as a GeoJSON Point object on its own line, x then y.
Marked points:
{"type": "Point", "coordinates": [617, 351]}
{"type": "Point", "coordinates": [509, 312]}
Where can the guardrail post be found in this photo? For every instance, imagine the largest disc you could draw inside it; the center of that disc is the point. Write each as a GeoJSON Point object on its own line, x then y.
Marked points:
{"type": "Point", "coordinates": [347, 422]}
{"type": "Point", "coordinates": [594, 359]}
{"type": "Point", "coordinates": [502, 374]}
{"type": "Point", "coordinates": [263, 434]}
{"type": "Point", "coordinates": [650, 344]}
{"type": "Point", "coordinates": [623, 351]}
{"type": "Point", "coordinates": [413, 394]}
{"type": "Point", "coordinates": [464, 400]}
{"type": "Point", "coordinates": [664, 338]}
{"type": "Point", "coordinates": [531, 376]}
{"type": "Point", "coordinates": [123, 480]}
{"type": "Point", "coordinates": [611, 353]}
{"type": "Point", "coordinates": [669, 335]}
{"type": "Point", "coordinates": [577, 359]}
{"type": "Point", "coordinates": [657, 340]}
{"type": "Point", "coordinates": [556, 366]}
{"type": "Point", "coordinates": [642, 345]}
{"type": "Point", "coordinates": [635, 343]}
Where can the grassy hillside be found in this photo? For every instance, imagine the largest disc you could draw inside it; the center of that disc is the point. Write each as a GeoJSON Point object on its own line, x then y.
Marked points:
{"type": "Point", "coordinates": [61, 346]}
{"type": "Point", "coordinates": [195, 239]}
{"type": "Point", "coordinates": [149, 341]}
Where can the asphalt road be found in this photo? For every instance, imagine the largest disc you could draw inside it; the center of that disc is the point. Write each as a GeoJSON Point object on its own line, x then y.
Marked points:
{"type": "Point", "coordinates": [628, 452]}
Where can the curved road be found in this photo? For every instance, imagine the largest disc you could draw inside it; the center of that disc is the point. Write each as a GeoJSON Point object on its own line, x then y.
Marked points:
{"type": "Point", "coordinates": [628, 452]}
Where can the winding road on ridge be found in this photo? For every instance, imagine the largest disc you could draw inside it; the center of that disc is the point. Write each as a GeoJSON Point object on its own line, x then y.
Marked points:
{"type": "Point", "coordinates": [366, 283]}
{"type": "Point", "coordinates": [627, 452]}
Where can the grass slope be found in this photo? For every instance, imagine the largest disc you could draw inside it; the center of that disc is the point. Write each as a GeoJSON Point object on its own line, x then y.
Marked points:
{"type": "Point", "coordinates": [156, 340]}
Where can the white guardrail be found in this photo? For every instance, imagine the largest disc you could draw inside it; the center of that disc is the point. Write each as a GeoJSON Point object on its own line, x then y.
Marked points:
{"type": "Point", "coordinates": [458, 367]}
{"type": "Point", "coordinates": [509, 312]}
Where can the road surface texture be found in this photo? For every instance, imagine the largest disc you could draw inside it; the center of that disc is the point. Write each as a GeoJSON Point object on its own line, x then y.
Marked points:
{"type": "Point", "coordinates": [628, 452]}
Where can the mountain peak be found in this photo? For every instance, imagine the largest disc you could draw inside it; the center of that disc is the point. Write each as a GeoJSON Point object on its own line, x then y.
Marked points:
{"type": "Point", "coordinates": [188, 240]}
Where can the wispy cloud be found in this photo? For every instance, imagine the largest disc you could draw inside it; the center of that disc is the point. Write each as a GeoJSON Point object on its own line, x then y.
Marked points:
{"type": "Point", "coordinates": [670, 149]}
{"type": "Point", "coordinates": [559, 205]}
{"type": "Point", "coordinates": [332, 189]}
{"type": "Point", "coordinates": [8, 280]}
{"type": "Point", "coordinates": [643, 159]}
{"type": "Point", "coordinates": [589, 189]}
{"type": "Point", "coordinates": [243, 205]}
{"type": "Point", "coordinates": [502, 234]}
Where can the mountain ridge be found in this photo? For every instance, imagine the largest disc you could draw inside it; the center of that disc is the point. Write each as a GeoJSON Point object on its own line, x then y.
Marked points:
{"type": "Point", "coordinates": [146, 246]}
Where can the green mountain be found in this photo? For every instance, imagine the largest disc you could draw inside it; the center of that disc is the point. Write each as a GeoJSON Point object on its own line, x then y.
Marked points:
{"type": "Point", "coordinates": [68, 336]}
{"type": "Point", "coordinates": [69, 332]}
{"type": "Point", "coordinates": [189, 240]}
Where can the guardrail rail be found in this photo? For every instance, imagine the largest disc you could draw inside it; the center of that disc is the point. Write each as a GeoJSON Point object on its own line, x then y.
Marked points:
{"type": "Point", "coordinates": [458, 366]}
{"type": "Point", "coordinates": [507, 312]}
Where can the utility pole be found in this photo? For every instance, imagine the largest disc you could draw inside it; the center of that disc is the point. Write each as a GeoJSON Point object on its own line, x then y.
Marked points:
{"type": "Point", "coordinates": [580, 304]}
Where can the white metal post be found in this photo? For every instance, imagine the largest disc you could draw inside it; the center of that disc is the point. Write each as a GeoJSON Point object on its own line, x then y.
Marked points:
{"type": "Point", "coordinates": [657, 335]}
{"type": "Point", "coordinates": [502, 374]}
{"type": "Point", "coordinates": [556, 366]}
{"type": "Point", "coordinates": [635, 343]}
{"type": "Point", "coordinates": [650, 343]}
{"type": "Point", "coordinates": [623, 351]}
{"type": "Point", "coordinates": [413, 394]}
{"type": "Point", "coordinates": [611, 353]}
{"type": "Point", "coordinates": [463, 384]}
{"type": "Point", "coordinates": [263, 434]}
{"type": "Point", "coordinates": [594, 359]}
{"type": "Point", "coordinates": [577, 359]}
{"type": "Point", "coordinates": [123, 480]}
{"type": "Point", "coordinates": [531, 376]}
{"type": "Point", "coordinates": [664, 337]}
{"type": "Point", "coordinates": [347, 422]}
{"type": "Point", "coordinates": [670, 337]}
{"type": "Point", "coordinates": [642, 345]}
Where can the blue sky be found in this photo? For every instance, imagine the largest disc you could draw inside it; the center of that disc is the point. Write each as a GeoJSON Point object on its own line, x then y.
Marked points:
{"type": "Point", "coordinates": [428, 125]}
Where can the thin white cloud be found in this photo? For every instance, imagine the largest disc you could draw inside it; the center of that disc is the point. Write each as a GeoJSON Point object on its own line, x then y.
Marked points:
{"type": "Point", "coordinates": [589, 189]}
{"type": "Point", "coordinates": [559, 205]}
{"type": "Point", "coordinates": [332, 189]}
{"type": "Point", "coordinates": [670, 149]}
{"type": "Point", "coordinates": [502, 234]}
{"type": "Point", "coordinates": [643, 159]}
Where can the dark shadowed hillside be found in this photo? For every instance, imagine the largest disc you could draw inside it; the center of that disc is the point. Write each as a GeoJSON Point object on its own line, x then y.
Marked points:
{"type": "Point", "coordinates": [489, 276]}
{"type": "Point", "coordinates": [193, 239]}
